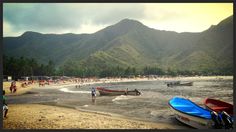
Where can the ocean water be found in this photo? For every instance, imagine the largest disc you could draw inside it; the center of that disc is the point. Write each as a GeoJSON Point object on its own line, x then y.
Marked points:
{"type": "Point", "coordinates": [152, 105]}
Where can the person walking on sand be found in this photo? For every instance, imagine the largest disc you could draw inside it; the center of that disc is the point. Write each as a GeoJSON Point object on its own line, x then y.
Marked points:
{"type": "Point", "coordinates": [5, 108]}
{"type": "Point", "coordinates": [13, 87]}
{"type": "Point", "coordinates": [93, 92]}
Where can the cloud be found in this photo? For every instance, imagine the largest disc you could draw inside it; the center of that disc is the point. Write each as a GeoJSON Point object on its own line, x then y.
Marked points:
{"type": "Point", "coordinates": [186, 17]}
{"type": "Point", "coordinates": [66, 17]}
{"type": "Point", "coordinates": [91, 17]}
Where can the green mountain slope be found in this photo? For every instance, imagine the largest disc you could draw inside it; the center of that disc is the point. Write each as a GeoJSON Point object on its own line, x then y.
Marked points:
{"type": "Point", "coordinates": [130, 43]}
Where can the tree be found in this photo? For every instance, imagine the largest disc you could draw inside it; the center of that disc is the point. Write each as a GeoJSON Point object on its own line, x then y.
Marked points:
{"type": "Point", "coordinates": [50, 68]}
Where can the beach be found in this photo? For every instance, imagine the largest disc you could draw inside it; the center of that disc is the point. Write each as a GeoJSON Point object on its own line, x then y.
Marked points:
{"type": "Point", "coordinates": [50, 107]}
{"type": "Point", "coordinates": [20, 89]}
{"type": "Point", "coordinates": [34, 116]}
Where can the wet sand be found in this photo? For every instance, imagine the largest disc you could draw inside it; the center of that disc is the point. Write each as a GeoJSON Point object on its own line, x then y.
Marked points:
{"type": "Point", "coordinates": [35, 116]}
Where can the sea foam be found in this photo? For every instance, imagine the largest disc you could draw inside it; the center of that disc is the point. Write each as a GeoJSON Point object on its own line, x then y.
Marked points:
{"type": "Point", "coordinates": [70, 91]}
{"type": "Point", "coordinates": [122, 97]}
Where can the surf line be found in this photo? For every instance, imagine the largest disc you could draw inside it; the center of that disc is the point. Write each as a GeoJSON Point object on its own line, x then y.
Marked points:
{"type": "Point", "coordinates": [70, 91]}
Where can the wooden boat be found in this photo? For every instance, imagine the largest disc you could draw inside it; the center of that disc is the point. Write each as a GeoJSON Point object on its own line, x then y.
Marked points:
{"type": "Point", "coordinates": [218, 106]}
{"type": "Point", "coordinates": [172, 83]}
{"type": "Point", "coordinates": [186, 84]}
{"type": "Point", "coordinates": [178, 83]}
{"type": "Point", "coordinates": [104, 91]}
{"type": "Point", "coordinates": [191, 114]}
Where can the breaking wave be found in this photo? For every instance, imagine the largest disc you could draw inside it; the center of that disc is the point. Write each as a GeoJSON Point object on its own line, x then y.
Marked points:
{"type": "Point", "coordinates": [122, 97]}
{"type": "Point", "coordinates": [70, 91]}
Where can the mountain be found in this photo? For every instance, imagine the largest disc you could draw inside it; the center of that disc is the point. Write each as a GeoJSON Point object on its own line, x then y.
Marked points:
{"type": "Point", "coordinates": [130, 43]}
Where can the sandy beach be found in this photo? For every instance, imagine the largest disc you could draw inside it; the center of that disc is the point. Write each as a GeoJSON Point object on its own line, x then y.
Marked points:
{"type": "Point", "coordinates": [20, 89]}
{"type": "Point", "coordinates": [34, 116]}
{"type": "Point", "coordinates": [38, 116]}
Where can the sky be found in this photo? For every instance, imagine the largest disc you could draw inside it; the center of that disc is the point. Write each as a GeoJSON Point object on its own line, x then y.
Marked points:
{"type": "Point", "coordinates": [80, 18]}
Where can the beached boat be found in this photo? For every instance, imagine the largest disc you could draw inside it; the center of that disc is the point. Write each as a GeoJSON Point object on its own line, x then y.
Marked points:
{"type": "Point", "coordinates": [218, 106]}
{"type": "Point", "coordinates": [178, 83]}
{"type": "Point", "coordinates": [190, 113]}
{"type": "Point", "coordinates": [104, 91]}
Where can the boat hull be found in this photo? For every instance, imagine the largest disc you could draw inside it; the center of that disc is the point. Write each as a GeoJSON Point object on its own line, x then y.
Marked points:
{"type": "Point", "coordinates": [180, 84]}
{"type": "Point", "coordinates": [190, 113]}
{"type": "Point", "coordinates": [193, 121]}
{"type": "Point", "coordinates": [187, 84]}
{"type": "Point", "coordinates": [108, 92]}
{"type": "Point", "coordinates": [218, 106]}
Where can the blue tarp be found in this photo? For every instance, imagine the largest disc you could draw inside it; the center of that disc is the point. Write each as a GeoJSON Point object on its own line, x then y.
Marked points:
{"type": "Point", "coordinates": [188, 107]}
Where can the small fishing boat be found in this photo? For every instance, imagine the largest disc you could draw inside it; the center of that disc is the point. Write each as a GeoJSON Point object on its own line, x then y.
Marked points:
{"type": "Point", "coordinates": [172, 83]}
{"type": "Point", "coordinates": [178, 83]}
{"type": "Point", "coordinates": [105, 91]}
{"type": "Point", "coordinates": [186, 84]}
{"type": "Point", "coordinates": [190, 113]}
{"type": "Point", "coordinates": [218, 106]}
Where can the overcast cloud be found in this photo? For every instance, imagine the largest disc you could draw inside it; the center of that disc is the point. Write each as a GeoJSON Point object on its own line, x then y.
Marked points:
{"type": "Point", "coordinates": [91, 17]}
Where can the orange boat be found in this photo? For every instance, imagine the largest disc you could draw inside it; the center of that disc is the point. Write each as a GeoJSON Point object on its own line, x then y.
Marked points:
{"type": "Point", "coordinates": [218, 106]}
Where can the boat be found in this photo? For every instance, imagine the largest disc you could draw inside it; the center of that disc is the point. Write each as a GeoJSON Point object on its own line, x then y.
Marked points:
{"type": "Point", "coordinates": [171, 83]}
{"type": "Point", "coordinates": [178, 83]}
{"type": "Point", "coordinates": [105, 91]}
{"type": "Point", "coordinates": [191, 114]}
{"type": "Point", "coordinates": [218, 106]}
{"type": "Point", "coordinates": [186, 84]}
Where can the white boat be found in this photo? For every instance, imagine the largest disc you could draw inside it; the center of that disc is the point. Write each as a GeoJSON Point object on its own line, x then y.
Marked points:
{"type": "Point", "coordinates": [191, 114]}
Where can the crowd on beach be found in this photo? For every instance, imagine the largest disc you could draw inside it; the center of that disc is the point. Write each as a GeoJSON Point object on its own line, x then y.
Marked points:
{"type": "Point", "coordinates": [77, 82]}
{"type": "Point", "coordinates": [13, 88]}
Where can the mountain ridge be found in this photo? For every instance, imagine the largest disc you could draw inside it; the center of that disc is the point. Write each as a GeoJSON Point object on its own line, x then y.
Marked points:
{"type": "Point", "coordinates": [130, 43]}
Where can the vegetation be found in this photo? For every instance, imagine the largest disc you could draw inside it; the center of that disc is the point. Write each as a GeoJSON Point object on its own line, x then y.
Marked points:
{"type": "Point", "coordinates": [127, 48]}
{"type": "Point", "coordinates": [18, 67]}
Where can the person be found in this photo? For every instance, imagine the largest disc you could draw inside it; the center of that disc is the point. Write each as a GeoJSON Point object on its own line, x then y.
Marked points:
{"type": "Point", "coordinates": [126, 91]}
{"type": "Point", "coordinates": [13, 87]}
{"type": "Point", "coordinates": [5, 108]}
{"type": "Point", "coordinates": [93, 92]}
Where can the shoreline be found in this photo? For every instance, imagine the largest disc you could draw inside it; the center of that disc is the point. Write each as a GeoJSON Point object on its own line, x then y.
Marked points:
{"type": "Point", "coordinates": [36, 116]}
{"type": "Point", "coordinates": [22, 90]}
{"type": "Point", "coordinates": [48, 116]}
{"type": "Point", "coordinates": [120, 80]}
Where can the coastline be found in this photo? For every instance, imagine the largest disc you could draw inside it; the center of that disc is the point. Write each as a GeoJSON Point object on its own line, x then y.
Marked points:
{"type": "Point", "coordinates": [119, 80]}
{"type": "Point", "coordinates": [35, 116]}
{"type": "Point", "coordinates": [22, 90]}
{"type": "Point", "coordinates": [38, 116]}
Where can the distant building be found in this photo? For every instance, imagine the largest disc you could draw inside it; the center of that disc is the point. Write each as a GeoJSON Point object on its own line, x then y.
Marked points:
{"type": "Point", "coordinates": [25, 78]}
{"type": "Point", "coordinates": [7, 78]}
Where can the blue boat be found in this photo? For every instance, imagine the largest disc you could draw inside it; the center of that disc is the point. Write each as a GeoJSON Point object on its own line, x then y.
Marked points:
{"type": "Point", "coordinates": [191, 114]}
